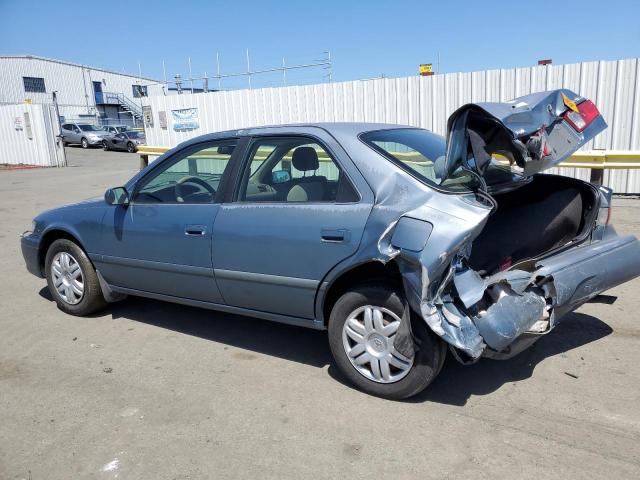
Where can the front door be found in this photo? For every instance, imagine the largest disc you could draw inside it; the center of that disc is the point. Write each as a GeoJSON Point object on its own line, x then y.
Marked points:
{"type": "Point", "coordinates": [161, 241]}
{"type": "Point", "coordinates": [295, 215]}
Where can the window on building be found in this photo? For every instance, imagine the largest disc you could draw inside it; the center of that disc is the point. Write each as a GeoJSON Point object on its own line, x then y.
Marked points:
{"type": "Point", "coordinates": [139, 91]}
{"type": "Point", "coordinates": [34, 84]}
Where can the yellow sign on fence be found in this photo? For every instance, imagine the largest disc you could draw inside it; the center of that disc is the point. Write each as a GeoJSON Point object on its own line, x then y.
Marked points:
{"type": "Point", "coordinates": [426, 69]}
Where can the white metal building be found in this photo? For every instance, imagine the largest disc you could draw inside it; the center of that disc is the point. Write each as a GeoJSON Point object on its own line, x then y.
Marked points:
{"type": "Point", "coordinates": [83, 92]}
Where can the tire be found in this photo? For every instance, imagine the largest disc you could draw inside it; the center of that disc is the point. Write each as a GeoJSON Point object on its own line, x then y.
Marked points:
{"type": "Point", "coordinates": [84, 143]}
{"type": "Point", "coordinates": [131, 148]}
{"type": "Point", "coordinates": [91, 299]}
{"type": "Point", "coordinates": [105, 147]}
{"type": "Point", "coordinates": [426, 363]}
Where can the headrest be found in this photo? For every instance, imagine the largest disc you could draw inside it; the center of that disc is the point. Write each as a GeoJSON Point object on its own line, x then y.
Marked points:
{"type": "Point", "coordinates": [226, 149]}
{"type": "Point", "coordinates": [305, 159]}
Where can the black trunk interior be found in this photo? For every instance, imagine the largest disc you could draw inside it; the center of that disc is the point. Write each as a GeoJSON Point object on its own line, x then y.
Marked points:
{"type": "Point", "coordinates": [538, 217]}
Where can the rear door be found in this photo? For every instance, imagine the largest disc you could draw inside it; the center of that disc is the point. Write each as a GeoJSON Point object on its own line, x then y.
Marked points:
{"type": "Point", "coordinates": [272, 248]}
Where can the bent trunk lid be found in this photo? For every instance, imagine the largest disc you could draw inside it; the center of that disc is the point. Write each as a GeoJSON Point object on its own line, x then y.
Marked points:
{"type": "Point", "coordinates": [534, 132]}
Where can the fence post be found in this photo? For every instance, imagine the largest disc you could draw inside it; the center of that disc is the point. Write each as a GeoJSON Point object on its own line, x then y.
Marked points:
{"type": "Point", "coordinates": [144, 161]}
{"type": "Point", "coordinates": [597, 176]}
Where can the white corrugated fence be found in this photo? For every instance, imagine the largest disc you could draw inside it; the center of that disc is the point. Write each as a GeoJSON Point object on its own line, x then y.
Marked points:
{"type": "Point", "coordinates": [28, 136]}
{"type": "Point", "coordinates": [425, 102]}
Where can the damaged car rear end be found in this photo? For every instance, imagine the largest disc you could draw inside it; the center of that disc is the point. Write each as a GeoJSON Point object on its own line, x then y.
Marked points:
{"type": "Point", "coordinates": [492, 253]}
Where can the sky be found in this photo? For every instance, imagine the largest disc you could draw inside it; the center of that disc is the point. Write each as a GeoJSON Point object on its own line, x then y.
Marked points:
{"type": "Point", "coordinates": [366, 39]}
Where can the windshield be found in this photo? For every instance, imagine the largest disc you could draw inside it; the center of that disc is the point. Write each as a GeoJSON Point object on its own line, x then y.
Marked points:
{"type": "Point", "coordinates": [135, 134]}
{"type": "Point", "coordinates": [422, 154]}
{"type": "Point", "coordinates": [121, 129]}
{"type": "Point", "coordinates": [90, 128]}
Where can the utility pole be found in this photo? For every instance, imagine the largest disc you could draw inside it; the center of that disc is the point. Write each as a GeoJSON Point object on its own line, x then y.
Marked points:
{"type": "Point", "coordinates": [248, 69]}
{"type": "Point", "coordinates": [190, 75]}
{"type": "Point", "coordinates": [284, 72]}
{"type": "Point", "coordinates": [218, 70]}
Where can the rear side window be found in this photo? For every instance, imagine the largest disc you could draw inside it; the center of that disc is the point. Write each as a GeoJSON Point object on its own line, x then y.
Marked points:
{"type": "Point", "coordinates": [421, 153]}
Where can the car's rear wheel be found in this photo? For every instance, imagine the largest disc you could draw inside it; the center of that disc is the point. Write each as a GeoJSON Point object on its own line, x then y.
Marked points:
{"type": "Point", "coordinates": [105, 146]}
{"type": "Point", "coordinates": [84, 143]}
{"type": "Point", "coordinates": [72, 280]}
{"type": "Point", "coordinates": [362, 328]}
{"type": "Point", "coordinates": [131, 148]}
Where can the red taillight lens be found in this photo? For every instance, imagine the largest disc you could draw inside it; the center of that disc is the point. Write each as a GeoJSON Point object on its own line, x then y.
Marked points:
{"type": "Point", "coordinates": [587, 113]}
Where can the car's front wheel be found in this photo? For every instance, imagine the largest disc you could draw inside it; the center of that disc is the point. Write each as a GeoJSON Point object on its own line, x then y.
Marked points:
{"type": "Point", "coordinates": [362, 329]}
{"type": "Point", "coordinates": [105, 146]}
{"type": "Point", "coordinates": [84, 143]}
{"type": "Point", "coordinates": [72, 280]}
{"type": "Point", "coordinates": [131, 148]}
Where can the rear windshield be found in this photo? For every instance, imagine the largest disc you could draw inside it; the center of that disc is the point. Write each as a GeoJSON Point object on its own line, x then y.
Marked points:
{"type": "Point", "coordinates": [422, 154]}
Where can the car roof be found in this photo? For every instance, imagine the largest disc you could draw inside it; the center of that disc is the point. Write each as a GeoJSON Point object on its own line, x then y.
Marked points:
{"type": "Point", "coordinates": [334, 128]}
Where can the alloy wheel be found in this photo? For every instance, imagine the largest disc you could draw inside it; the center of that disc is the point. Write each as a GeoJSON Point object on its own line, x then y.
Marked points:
{"type": "Point", "coordinates": [68, 279]}
{"type": "Point", "coordinates": [367, 337]}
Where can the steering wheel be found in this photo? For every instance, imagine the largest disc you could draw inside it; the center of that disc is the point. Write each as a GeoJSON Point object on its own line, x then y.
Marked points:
{"type": "Point", "coordinates": [191, 179]}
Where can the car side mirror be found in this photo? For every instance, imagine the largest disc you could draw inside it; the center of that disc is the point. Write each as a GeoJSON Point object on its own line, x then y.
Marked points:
{"type": "Point", "coordinates": [117, 196]}
{"type": "Point", "coordinates": [280, 176]}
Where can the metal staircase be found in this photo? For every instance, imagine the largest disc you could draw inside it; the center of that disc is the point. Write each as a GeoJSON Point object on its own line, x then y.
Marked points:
{"type": "Point", "coordinates": [125, 103]}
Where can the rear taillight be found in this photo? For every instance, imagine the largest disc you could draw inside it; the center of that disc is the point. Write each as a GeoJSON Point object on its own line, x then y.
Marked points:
{"type": "Point", "coordinates": [587, 113]}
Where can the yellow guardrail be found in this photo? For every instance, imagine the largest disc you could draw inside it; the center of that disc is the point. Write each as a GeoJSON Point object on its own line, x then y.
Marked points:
{"type": "Point", "coordinates": [592, 159]}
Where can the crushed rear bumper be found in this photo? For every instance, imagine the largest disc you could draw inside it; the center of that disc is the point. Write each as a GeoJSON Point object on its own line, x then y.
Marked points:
{"type": "Point", "coordinates": [486, 315]}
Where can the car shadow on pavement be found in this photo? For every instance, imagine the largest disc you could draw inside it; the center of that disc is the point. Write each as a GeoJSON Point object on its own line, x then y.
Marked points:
{"type": "Point", "coordinates": [454, 386]}
{"type": "Point", "coordinates": [260, 336]}
{"type": "Point", "coordinates": [457, 383]}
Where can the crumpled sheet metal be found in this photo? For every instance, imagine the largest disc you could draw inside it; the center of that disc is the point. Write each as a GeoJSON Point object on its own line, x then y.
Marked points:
{"type": "Point", "coordinates": [530, 130]}
{"type": "Point", "coordinates": [509, 317]}
{"type": "Point", "coordinates": [454, 223]}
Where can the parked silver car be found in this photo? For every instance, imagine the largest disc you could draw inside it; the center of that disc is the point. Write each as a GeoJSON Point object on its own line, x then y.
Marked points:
{"type": "Point", "coordinates": [400, 245]}
{"type": "Point", "coordinates": [85, 134]}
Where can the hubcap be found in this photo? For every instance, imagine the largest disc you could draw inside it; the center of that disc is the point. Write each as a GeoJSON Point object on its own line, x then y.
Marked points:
{"type": "Point", "coordinates": [367, 337]}
{"type": "Point", "coordinates": [67, 278]}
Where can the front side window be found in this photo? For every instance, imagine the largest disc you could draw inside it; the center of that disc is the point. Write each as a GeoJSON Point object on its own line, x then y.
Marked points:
{"type": "Point", "coordinates": [34, 84]}
{"type": "Point", "coordinates": [293, 169]}
{"type": "Point", "coordinates": [191, 176]}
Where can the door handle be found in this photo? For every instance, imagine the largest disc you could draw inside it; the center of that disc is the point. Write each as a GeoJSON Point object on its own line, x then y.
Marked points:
{"type": "Point", "coordinates": [195, 230]}
{"type": "Point", "coordinates": [335, 235]}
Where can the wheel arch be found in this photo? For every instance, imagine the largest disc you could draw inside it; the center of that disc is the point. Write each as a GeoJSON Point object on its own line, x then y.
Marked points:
{"type": "Point", "coordinates": [372, 271]}
{"type": "Point", "coordinates": [51, 236]}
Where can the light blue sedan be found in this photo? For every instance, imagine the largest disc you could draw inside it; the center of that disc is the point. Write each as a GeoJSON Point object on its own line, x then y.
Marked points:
{"type": "Point", "coordinates": [399, 243]}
